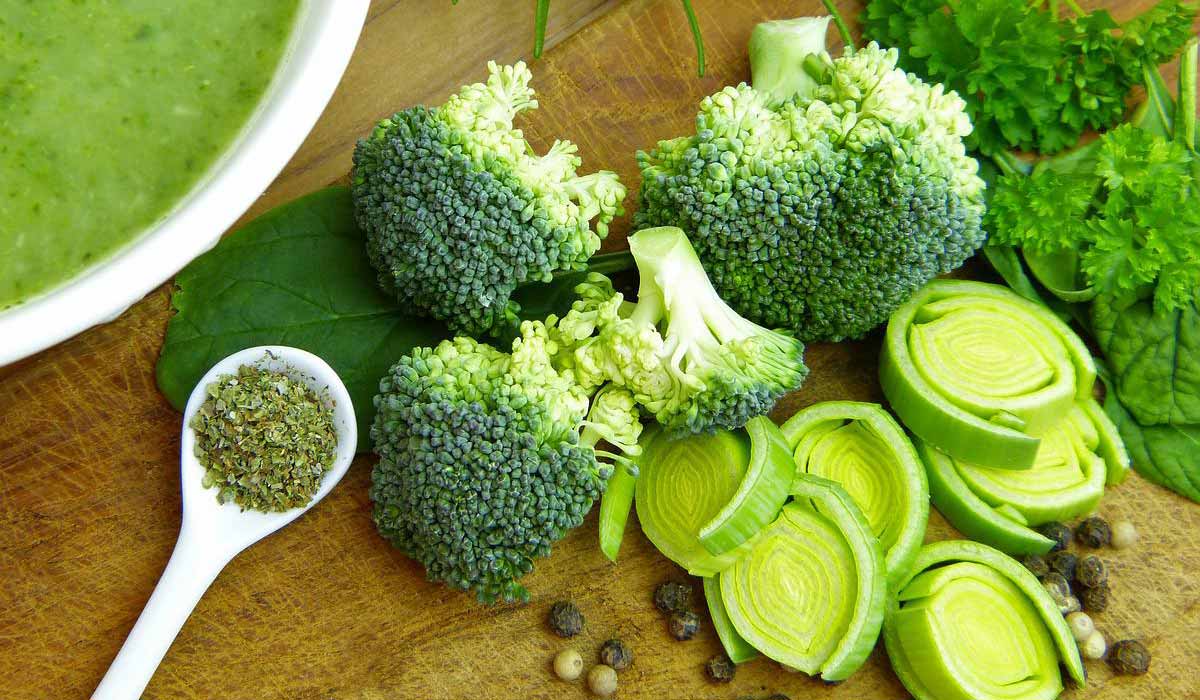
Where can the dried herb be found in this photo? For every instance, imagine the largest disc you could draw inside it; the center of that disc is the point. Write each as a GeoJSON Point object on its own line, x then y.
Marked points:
{"type": "Point", "coordinates": [1129, 657]}
{"type": "Point", "coordinates": [1094, 532]}
{"type": "Point", "coordinates": [565, 619]}
{"type": "Point", "coordinates": [265, 440]}
{"type": "Point", "coordinates": [673, 596]}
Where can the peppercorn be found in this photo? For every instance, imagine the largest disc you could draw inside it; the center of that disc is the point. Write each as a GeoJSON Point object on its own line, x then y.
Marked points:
{"type": "Point", "coordinates": [1129, 657]}
{"type": "Point", "coordinates": [1094, 647]}
{"type": "Point", "coordinates": [673, 596]}
{"type": "Point", "coordinates": [1124, 534]}
{"type": "Point", "coordinates": [719, 669]}
{"type": "Point", "coordinates": [614, 653]}
{"type": "Point", "coordinates": [568, 664]}
{"type": "Point", "coordinates": [1063, 563]}
{"type": "Point", "coordinates": [1057, 585]}
{"type": "Point", "coordinates": [1091, 572]}
{"type": "Point", "coordinates": [1036, 564]}
{"type": "Point", "coordinates": [1061, 534]}
{"type": "Point", "coordinates": [1095, 599]}
{"type": "Point", "coordinates": [778, 696]}
{"type": "Point", "coordinates": [1094, 532]}
{"type": "Point", "coordinates": [602, 680]}
{"type": "Point", "coordinates": [565, 619]}
{"type": "Point", "coordinates": [1081, 625]}
{"type": "Point", "coordinates": [683, 625]}
{"type": "Point", "coordinates": [1069, 605]}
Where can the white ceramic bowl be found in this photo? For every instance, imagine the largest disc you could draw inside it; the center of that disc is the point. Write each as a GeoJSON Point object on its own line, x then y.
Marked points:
{"type": "Point", "coordinates": [318, 52]}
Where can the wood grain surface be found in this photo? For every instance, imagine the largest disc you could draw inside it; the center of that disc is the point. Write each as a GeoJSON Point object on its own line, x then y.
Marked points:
{"type": "Point", "coordinates": [326, 610]}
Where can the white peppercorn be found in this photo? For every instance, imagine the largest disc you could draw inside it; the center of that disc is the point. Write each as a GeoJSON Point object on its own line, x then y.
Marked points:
{"type": "Point", "coordinates": [1081, 625]}
{"type": "Point", "coordinates": [1124, 534]}
{"type": "Point", "coordinates": [568, 664]}
{"type": "Point", "coordinates": [602, 680]}
{"type": "Point", "coordinates": [1094, 647]}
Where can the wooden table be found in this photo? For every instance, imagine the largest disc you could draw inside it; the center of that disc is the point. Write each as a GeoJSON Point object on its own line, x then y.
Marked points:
{"type": "Point", "coordinates": [89, 480]}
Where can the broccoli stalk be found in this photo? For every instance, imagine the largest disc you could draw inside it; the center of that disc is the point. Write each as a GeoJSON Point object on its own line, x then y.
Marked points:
{"type": "Point", "coordinates": [781, 54]}
{"type": "Point", "coordinates": [686, 357]}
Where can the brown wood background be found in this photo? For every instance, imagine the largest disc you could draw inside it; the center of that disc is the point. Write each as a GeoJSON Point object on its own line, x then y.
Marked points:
{"type": "Point", "coordinates": [325, 610]}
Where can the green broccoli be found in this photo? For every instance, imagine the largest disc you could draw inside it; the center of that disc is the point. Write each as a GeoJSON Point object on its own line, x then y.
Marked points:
{"type": "Point", "coordinates": [459, 212]}
{"type": "Point", "coordinates": [822, 196]}
{"type": "Point", "coordinates": [687, 358]}
{"type": "Point", "coordinates": [487, 458]}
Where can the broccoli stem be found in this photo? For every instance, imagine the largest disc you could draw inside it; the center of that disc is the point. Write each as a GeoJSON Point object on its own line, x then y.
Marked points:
{"type": "Point", "coordinates": [778, 50]}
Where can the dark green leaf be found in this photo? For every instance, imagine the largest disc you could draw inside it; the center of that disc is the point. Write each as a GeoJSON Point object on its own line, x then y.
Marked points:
{"type": "Point", "coordinates": [1163, 454]}
{"type": "Point", "coordinates": [299, 276]}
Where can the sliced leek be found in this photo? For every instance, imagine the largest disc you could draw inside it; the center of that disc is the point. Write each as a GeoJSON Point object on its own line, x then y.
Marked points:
{"type": "Point", "coordinates": [615, 505]}
{"type": "Point", "coordinates": [981, 373]}
{"type": "Point", "coordinates": [700, 498]}
{"type": "Point", "coordinates": [810, 591]}
{"type": "Point", "coordinates": [860, 446]}
{"type": "Point", "coordinates": [1077, 457]}
{"type": "Point", "coordinates": [736, 648]}
{"type": "Point", "coordinates": [970, 623]}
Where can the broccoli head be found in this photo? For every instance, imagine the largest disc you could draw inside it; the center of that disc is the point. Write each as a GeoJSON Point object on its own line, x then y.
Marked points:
{"type": "Point", "coordinates": [487, 458]}
{"type": "Point", "coordinates": [823, 195]}
{"type": "Point", "coordinates": [686, 357]}
{"type": "Point", "coordinates": [458, 211]}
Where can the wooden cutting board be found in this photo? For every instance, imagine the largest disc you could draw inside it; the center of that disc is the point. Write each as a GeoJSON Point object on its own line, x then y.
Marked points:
{"type": "Point", "coordinates": [325, 610]}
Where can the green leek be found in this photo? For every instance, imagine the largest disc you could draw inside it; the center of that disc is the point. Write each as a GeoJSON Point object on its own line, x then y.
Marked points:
{"type": "Point", "coordinates": [736, 648]}
{"type": "Point", "coordinates": [810, 591]}
{"type": "Point", "coordinates": [981, 373]}
{"type": "Point", "coordinates": [970, 623]}
{"type": "Point", "coordinates": [701, 498]}
{"type": "Point", "coordinates": [1077, 457]}
{"type": "Point", "coordinates": [860, 446]}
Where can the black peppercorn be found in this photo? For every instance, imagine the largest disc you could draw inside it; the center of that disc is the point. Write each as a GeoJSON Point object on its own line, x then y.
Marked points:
{"type": "Point", "coordinates": [1057, 585]}
{"type": "Point", "coordinates": [1036, 564]}
{"type": "Point", "coordinates": [565, 619]}
{"type": "Point", "coordinates": [673, 596]}
{"type": "Point", "coordinates": [1129, 657]}
{"type": "Point", "coordinates": [719, 669]}
{"type": "Point", "coordinates": [1063, 563]}
{"type": "Point", "coordinates": [1094, 599]}
{"type": "Point", "coordinates": [1061, 534]}
{"type": "Point", "coordinates": [1094, 532]}
{"type": "Point", "coordinates": [1091, 572]}
{"type": "Point", "coordinates": [683, 624]}
{"type": "Point", "coordinates": [614, 653]}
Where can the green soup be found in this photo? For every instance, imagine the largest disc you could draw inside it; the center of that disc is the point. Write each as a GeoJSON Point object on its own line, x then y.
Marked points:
{"type": "Point", "coordinates": [110, 112]}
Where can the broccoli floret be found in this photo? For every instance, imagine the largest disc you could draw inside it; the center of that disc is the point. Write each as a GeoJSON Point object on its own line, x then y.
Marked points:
{"type": "Point", "coordinates": [686, 357]}
{"type": "Point", "coordinates": [458, 211]}
{"type": "Point", "coordinates": [822, 196]}
{"type": "Point", "coordinates": [487, 458]}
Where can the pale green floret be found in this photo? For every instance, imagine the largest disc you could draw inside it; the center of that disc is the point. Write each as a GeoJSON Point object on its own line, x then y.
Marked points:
{"type": "Point", "coordinates": [487, 458]}
{"type": "Point", "coordinates": [823, 195]}
{"type": "Point", "coordinates": [459, 211]}
{"type": "Point", "coordinates": [686, 357]}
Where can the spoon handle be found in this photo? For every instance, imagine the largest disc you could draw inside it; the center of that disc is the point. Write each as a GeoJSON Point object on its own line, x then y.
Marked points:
{"type": "Point", "coordinates": [192, 567]}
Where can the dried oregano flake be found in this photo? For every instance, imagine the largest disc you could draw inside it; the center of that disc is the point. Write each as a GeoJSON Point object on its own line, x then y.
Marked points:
{"type": "Point", "coordinates": [264, 439]}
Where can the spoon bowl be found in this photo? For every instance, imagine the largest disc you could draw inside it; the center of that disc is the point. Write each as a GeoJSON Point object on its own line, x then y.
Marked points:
{"type": "Point", "coordinates": [212, 533]}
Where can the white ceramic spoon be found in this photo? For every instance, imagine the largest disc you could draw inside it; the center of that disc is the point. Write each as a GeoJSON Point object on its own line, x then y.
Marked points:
{"type": "Point", "coordinates": [211, 534]}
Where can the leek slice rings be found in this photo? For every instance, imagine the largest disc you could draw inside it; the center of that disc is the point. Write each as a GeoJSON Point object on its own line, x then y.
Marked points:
{"type": "Point", "coordinates": [998, 507]}
{"type": "Point", "coordinates": [970, 623]}
{"type": "Point", "coordinates": [981, 373]}
{"type": "Point", "coordinates": [810, 591]}
{"type": "Point", "coordinates": [700, 498]}
{"type": "Point", "coordinates": [860, 446]}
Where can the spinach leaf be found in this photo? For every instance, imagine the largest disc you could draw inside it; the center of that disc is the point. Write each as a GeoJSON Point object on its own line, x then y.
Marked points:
{"type": "Point", "coordinates": [1163, 454]}
{"type": "Point", "coordinates": [297, 275]}
{"type": "Point", "coordinates": [1155, 359]}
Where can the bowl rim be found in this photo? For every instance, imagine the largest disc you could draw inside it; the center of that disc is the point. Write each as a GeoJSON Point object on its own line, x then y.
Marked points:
{"type": "Point", "coordinates": [317, 55]}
